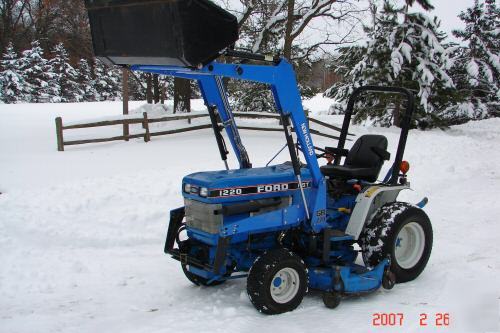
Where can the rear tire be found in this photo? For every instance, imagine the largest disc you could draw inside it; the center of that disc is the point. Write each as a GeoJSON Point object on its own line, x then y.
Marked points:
{"type": "Point", "coordinates": [277, 282]}
{"type": "Point", "coordinates": [401, 232]}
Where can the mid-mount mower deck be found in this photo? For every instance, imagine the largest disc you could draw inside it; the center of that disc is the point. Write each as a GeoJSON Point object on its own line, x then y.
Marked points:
{"type": "Point", "coordinates": [286, 227]}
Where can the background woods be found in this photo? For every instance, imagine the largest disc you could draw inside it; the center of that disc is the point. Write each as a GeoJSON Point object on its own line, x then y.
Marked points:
{"type": "Point", "coordinates": [335, 46]}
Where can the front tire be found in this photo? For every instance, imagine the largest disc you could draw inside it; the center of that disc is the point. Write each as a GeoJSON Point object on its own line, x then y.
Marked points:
{"type": "Point", "coordinates": [277, 282]}
{"type": "Point", "coordinates": [401, 232]}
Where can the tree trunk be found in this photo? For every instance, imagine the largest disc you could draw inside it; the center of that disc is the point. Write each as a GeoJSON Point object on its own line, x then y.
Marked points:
{"type": "Point", "coordinates": [149, 87]}
{"type": "Point", "coordinates": [163, 93]}
{"type": "Point", "coordinates": [396, 114]}
{"type": "Point", "coordinates": [182, 95]}
{"type": "Point", "coordinates": [156, 88]}
{"type": "Point", "coordinates": [287, 47]}
{"type": "Point", "coordinates": [125, 97]}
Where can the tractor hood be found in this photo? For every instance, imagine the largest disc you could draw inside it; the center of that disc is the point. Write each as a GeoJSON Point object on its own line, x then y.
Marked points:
{"type": "Point", "coordinates": [243, 184]}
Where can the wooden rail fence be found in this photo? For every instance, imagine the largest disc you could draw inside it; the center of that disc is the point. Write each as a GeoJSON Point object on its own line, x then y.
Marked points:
{"type": "Point", "coordinates": [145, 121]}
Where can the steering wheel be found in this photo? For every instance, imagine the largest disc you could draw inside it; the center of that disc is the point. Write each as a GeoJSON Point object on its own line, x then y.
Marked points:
{"type": "Point", "coordinates": [324, 154]}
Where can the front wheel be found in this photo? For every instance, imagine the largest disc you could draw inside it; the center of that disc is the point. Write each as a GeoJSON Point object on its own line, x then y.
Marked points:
{"type": "Point", "coordinates": [401, 232]}
{"type": "Point", "coordinates": [277, 282]}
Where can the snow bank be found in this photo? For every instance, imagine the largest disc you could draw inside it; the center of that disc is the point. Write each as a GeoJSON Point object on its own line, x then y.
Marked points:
{"type": "Point", "coordinates": [319, 105]}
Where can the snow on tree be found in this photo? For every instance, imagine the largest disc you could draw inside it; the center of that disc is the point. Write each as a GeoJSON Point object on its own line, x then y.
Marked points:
{"type": "Point", "coordinates": [406, 50]}
{"type": "Point", "coordinates": [86, 81]}
{"type": "Point", "coordinates": [13, 85]}
{"type": "Point", "coordinates": [477, 67]}
{"type": "Point", "coordinates": [65, 75]}
{"type": "Point", "coordinates": [39, 75]}
{"type": "Point", "coordinates": [251, 97]}
{"type": "Point", "coordinates": [283, 27]}
{"type": "Point", "coordinates": [107, 81]}
{"type": "Point", "coordinates": [137, 86]}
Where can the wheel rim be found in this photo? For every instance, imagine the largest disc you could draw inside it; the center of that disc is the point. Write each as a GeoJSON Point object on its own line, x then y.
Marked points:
{"type": "Point", "coordinates": [409, 245]}
{"type": "Point", "coordinates": [285, 285]}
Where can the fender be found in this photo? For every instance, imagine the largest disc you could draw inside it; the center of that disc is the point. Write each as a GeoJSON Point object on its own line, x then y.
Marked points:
{"type": "Point", "coordinates": [367, 202]}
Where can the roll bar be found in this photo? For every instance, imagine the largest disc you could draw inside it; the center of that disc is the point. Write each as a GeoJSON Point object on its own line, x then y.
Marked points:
{"type": "Point", "coordinates": [405, 123]}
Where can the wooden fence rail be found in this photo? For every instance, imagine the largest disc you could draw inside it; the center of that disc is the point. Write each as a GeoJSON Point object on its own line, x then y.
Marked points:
{"type": "Point", "coordinates": [145, 121]}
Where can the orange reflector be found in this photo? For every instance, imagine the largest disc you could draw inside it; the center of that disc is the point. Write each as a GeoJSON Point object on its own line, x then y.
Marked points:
{"type": "Point", "coordinates": [404, 167]}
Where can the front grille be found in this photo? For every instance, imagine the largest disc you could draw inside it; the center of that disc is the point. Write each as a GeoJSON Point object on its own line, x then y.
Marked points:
{"type": "Point", "coordinates": [200, 215]}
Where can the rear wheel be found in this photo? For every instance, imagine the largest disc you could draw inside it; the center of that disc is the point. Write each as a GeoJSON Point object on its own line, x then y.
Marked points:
{"type": "Point", "coordinates": [401, 232]}
{"type": "Point", "coordinates": [277, 282]}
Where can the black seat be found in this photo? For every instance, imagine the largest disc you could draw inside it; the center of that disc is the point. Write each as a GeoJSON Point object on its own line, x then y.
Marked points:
{"type": "Point", "coordinates": [363, 161]}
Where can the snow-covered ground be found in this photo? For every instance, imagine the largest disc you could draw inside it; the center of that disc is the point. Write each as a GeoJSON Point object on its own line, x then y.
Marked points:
{"type": "Point", "coordinates": [82, 232]}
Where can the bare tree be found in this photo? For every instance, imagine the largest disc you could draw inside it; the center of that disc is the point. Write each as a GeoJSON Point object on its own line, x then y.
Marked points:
{"type": "Point", "coordinates": [299, 30]}
{"type": "Point", "coordinates": [263, 23]}
{"type": "Point", "coordinates": [48, 21]}
{"type": "Point", "coordinates": [15, 25]}
{"type": "Point", "coordinates": [182, 95]}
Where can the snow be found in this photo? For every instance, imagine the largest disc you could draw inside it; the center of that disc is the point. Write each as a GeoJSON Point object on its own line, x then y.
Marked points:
{"type": "Point", "coordinates": [274, 18]}
{"type": "Point", "coordinates": [82, 231]}
{"type": "Point", "coordinates": [318, 105]}
{"type": "Point", "coordinates": [473, 70]}
{"type": "Point", "coordinates": [406, 50]}
{"type": "Point", "coordinates": [396, 62]}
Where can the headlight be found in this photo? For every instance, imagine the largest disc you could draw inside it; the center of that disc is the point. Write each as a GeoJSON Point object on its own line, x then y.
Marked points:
{"type": "Point", "coordinates": [187, 188]}
{"type": "Point", "coordinates": [203, 192]}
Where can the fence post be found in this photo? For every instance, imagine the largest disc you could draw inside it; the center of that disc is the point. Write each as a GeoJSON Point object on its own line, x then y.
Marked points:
{"type": "Point", "coordinates": [125, 102]}
{"type": "Point", "coordinates": [59, 134]}
{"type": "Point", "coordinates": [145, 125]}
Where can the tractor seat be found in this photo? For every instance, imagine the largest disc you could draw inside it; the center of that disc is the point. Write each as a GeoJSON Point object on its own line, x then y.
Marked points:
{"type": "Point", "coordinates": [363, 161]}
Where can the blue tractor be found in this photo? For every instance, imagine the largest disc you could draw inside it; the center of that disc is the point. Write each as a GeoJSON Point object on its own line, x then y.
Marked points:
{"type": "Point", "coordinates": [288, 227]}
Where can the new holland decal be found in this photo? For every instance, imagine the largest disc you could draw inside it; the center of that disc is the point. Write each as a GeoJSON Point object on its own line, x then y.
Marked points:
{"type": "Point", "coordinates": [310, 148]}
{"type": "Point", "coordinates": [257, 189]}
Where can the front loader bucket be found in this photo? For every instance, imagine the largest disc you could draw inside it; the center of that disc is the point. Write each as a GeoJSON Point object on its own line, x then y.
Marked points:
{"type": "Point", "coordinates": [160, 32]}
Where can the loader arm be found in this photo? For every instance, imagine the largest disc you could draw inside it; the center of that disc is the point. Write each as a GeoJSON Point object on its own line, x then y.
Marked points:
{"type": "Point", "coordinates": [280, 76]}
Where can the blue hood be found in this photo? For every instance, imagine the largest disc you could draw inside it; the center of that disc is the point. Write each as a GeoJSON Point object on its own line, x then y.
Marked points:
{"type": "Point", "coordinates": [246, 184]}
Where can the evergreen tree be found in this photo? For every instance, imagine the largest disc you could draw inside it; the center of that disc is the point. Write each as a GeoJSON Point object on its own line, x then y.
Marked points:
{"type": "Point", "coordinates": [65, 75]}
{"type": "Point", "coordinates": [477, 67]}
{"type": "Point", "coordinates": [13, 86]}
{"type": "Point", "coordinates": [251, 97]}
{"type": "Point", "coordinates": [406, 50]}
{"type": "Point", "coordinates": [425, 4]}
{"type": "Point", "coordinates": [107, 81]}
{"type": "Point", "coordinates": [86, 81]}
{"type": "Point", "coordinates": [342, 64]}
{"type": "Point", "coordinates": [39, 75]}
{"type": "Point", "coordinates": [137, 86]}
{"type": "Point", "coordinates": [256, 97]}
